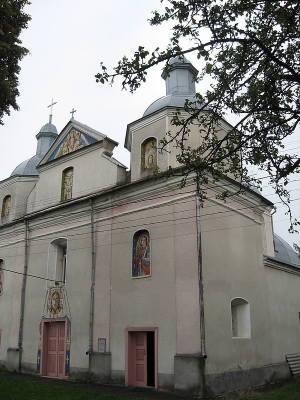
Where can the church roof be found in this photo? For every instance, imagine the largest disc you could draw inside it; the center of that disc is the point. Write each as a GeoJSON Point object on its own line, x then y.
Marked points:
{"type": "Point", "coordinates": [28, 167]}
{"type": "Point", "coordinates": [284, 252]}
{"type": "Point", "coordinates": [45, 138]}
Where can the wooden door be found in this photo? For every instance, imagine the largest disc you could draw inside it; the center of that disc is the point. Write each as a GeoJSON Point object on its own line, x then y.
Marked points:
{"type": "Point", "coordinates": [139, 359]}
{"type": "Point", "coordinates": [56, 350]}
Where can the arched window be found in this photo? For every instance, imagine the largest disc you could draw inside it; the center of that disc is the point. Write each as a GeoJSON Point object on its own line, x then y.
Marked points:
{"type": "Point", "coordinates": [1, 275]}
{"type": "Point", "coordinates": [67, 184]}
{"type": "Point", "coordinates": [141, 255]}
{"type": "Point", "coordinates": [240, 318]}
{"type": "Point", "coordinates": [149, 154]}
{"type": "Point", "coordinates": [57, 262]}
{"type": "Point", "coordinates": [6, 206]}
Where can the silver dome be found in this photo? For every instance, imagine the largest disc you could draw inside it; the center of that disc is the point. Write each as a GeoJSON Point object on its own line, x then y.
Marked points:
{"type": "Point", "coordinates": [284, 252]}
{"type": "Point", "coordinates": [45, 139]}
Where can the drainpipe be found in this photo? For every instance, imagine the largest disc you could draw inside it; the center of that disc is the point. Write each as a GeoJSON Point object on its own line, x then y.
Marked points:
{"type": "Point", "coordinates": [201, 299]}
{"type": "Point", "coordinates": [92, 279]}
{"type": "Point", "coordinates": [20, 340]}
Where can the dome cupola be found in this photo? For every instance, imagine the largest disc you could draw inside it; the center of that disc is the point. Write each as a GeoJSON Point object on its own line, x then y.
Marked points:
{"type": "Point", "coordinates": [180, 85]}
{"type": "Point", "coordinates": [45, 139]}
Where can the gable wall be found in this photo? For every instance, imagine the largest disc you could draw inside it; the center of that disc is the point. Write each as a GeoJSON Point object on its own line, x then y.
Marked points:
{"type": "Point", "coordinates": [92, 173]}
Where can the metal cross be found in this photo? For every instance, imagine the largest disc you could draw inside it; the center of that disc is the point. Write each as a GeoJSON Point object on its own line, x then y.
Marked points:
{"type": "Point", "coordinates": [50, 116]}
{"type": "Point", "coordinates": [72, 112]}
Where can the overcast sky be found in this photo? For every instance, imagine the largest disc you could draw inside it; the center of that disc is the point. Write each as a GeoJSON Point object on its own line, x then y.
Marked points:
{"type": "Point", "coordinates": [67, 40]}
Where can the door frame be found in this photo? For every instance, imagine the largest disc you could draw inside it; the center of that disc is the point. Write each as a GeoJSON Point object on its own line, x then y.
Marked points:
{"type": "Point", "coordinates": [128, 349]}
{"type": "Point", "coordinates": [44, 343]}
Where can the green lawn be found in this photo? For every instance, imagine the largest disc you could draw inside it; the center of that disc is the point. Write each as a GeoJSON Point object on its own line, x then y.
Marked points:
{"type": "Point", "coordinates": [20, 389]}
{"type": "Point", "coordinates": [289, 391]}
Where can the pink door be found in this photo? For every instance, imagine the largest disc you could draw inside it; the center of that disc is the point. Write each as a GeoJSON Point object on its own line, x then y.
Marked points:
{"type": "Point", "coordinates": [139, 359]}
{"type": "Point", "coordinates": [56, 350]}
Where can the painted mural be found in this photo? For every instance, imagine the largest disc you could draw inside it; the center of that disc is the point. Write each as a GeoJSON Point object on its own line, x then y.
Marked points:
{"type": "Point", "coordinates": [55, 301]}
{"type": "Point", "coordinates": [149, 154]}
{"type": "Point", "coordinates": [1, 276]}
{"type": "Point", "coordinates": [67, 184]}
{"type": "Point", "coordinates": [141, 263]}
{"type": "Point", "coordinates": [74, 140]}
{"type": "Point", "coordinates": [6, 206]}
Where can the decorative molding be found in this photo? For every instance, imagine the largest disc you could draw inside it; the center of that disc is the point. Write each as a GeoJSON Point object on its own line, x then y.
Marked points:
{"type": "Point", "coordinates": [281, 266]}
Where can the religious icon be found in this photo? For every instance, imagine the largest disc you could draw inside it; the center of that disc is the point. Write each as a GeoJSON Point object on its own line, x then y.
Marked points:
{"type": "Point", "coordinates": [6, 206]}
{"type": "Point", "coordinates": [141, 254]}
{"type": "Point", "coordinates": [75, 140]}
{"type": "Point", "coordinates": [149, 154]}
{"type": "Point", "coordinates": [67, 184]}
{"type": "Point", "coordinates": [55, 301]}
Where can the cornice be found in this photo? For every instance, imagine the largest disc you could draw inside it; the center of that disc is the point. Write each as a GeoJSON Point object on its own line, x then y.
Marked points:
{"type": "Point", "coordinates": [281, 266]}
{"type": "Point", "coordinates": [17, 178]}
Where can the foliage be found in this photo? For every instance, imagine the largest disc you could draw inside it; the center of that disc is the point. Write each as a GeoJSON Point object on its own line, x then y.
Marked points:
{"type": "Point", "coordinates": [297, 249]}
{"type": "Point", "coordinates": [12, 21]}
{"type": "Point", "coordinates": [250, 52]}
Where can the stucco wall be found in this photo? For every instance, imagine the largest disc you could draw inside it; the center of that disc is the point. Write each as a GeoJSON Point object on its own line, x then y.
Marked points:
{"type": "Point", "coordinates": [232, 251]}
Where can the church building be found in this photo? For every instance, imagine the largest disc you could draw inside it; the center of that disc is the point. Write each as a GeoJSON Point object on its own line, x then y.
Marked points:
{"type": "Point", "coordinates": [109, 275]}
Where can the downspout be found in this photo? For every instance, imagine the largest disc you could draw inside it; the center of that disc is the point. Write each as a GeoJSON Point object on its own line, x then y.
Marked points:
{"type": "Point", "coordinates": [92, 279]}
{"type": "Point", "coordinates": [20, 340]}
{"type": "Point", "coordinates": [201, 297]}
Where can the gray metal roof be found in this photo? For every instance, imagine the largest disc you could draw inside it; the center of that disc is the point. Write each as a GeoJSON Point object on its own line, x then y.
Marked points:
{"type": "Point", "coordinates": [284, 252]}
{"type": "Point", "coordinates": [175, 100]}
{"type": "Point", "coordinates": [28, 167]}
{"type": "Point", "coordinates": [49, 128]}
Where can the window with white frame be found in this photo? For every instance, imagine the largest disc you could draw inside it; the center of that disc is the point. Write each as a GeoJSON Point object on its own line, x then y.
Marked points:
{"type": "Point", "coordinates": [240, 318]}
{"type": "Point", "coordinates": [57, 262]}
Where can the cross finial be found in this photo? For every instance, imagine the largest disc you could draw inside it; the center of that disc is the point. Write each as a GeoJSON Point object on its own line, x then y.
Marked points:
{"type": "Point", "coordinates": [50, 116]}
{"type": "Point", "coordinates": [72, 112]}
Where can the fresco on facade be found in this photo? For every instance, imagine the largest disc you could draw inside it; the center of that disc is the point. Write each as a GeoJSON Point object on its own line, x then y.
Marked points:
{"type": "Point", "coordinates": [74, 140]}
{"type": "Point", "coordinates": [55, 301]}
{"type": "Point", "coordinates": [6, 206]}
{"type": "Point", "coordinates": [1, 276]}
{"type": "Point", "coordinates": [67, 184]}
{"type": "Point", "coordinates": [149, 154]}
{"type": "Point", "coordinates": [141, 263]}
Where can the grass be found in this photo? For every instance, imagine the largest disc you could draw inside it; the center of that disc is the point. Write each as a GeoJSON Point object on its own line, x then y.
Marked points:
{"type": "Point", "coordinates": [20, 389]}
{"type": "Point", "coordinates": [287, 391]}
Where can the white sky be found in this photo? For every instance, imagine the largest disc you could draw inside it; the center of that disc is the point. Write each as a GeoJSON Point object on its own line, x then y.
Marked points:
{"type": "Point", "coordinates": [67, 39]}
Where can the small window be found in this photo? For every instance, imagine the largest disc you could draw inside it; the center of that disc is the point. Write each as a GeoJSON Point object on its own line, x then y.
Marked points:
{"type": "Point", "coordinates": [149, 154]}
{"type": "Point", "coordinates": [6, 206]}
{"type": "Point", "coordinates": [57, 263]}
{"type": "Point", "coordinates": [1, 275]}
{"type": "Point", "coordinates": [141, 262]}
{"type": "Point", "coordinates": [240, 318]}
{"type": "Point", "coordinates": [67, 184]}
